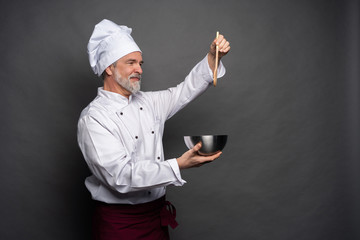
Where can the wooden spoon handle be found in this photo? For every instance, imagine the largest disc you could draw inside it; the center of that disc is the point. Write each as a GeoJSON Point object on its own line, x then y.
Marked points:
{"type": "Point", "coordinates": [216, 61]}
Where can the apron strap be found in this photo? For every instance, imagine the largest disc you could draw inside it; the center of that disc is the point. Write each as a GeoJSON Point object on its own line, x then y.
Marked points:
{"type": "Point", "coordinates": [168, 215]}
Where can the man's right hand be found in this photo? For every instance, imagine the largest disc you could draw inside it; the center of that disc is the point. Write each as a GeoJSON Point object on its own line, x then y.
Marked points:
{"type": "Point", "coordinates": [191, 158]}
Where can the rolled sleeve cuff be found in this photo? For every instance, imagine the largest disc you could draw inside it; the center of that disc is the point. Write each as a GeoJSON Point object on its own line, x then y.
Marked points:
{"type": "Point", "coordinates": [220, 71]}
{"type": "Point", "coordinates": [175, 167]}
{"type": "Point", "coordinates": [204, 69]}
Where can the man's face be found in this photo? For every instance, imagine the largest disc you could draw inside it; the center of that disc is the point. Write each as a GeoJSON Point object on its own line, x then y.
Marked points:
{"type": "Point", "coordinates": [128, 72]}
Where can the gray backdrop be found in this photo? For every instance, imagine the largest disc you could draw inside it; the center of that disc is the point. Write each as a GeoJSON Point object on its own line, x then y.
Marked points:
{"type": "Point", "coordinates": [289, 103]}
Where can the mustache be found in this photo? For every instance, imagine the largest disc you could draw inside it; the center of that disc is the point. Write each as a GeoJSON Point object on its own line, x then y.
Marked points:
{"type": "Point", "coordinates": [135, 75]}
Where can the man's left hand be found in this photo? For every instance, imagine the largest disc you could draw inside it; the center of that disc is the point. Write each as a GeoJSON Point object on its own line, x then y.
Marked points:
{"type": "Point", "coordinates": [224, 48]}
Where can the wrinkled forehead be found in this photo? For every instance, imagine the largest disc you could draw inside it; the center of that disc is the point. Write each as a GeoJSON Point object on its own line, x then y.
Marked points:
{"type": "Point", "coordinates": [133, 56]}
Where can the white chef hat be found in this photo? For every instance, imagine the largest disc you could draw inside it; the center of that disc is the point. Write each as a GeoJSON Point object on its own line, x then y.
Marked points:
{"type": "Point", "coordinates": [108, 43]}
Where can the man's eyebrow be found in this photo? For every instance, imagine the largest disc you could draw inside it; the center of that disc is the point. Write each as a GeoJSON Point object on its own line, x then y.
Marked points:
{"type": "Point", "coordinates": [133, 60]}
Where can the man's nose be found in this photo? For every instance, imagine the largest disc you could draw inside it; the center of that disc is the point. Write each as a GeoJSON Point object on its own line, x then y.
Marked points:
{"type": "Point", "coordinates": [139, 69]}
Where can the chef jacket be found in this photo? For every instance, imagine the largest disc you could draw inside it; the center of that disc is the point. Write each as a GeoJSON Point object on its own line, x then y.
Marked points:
{"type": "Point", "coordinates": [121, 139]}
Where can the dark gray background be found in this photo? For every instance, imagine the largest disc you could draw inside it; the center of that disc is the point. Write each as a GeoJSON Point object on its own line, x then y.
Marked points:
{"type": "Point", "coordinates": [289, 103]}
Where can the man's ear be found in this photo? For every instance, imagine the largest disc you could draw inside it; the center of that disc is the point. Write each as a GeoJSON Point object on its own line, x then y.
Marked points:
{"type": "Point", "coordinates": [108, 70]}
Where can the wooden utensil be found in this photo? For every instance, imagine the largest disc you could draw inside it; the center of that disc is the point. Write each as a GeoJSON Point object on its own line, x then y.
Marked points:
{"type": "Point", "coordinates": [216, 61]}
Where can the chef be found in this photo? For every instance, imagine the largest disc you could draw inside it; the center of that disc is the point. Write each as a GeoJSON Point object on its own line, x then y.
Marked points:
{"type": "Point", "coordinates": [120, 135]}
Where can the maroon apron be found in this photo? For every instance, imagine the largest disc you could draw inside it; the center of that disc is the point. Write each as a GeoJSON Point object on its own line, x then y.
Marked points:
{"type": "Point", "coordinates": [148, 221]}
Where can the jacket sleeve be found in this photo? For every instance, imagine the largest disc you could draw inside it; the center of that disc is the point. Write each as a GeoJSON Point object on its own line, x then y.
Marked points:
{"type": "Point", "coordinates": [111, 163]}
{"type": "Point", "coordinates": [172, 100]}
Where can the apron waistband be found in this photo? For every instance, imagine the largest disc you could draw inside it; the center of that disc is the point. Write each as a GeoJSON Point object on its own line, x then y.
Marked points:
{"type": "Point", "coordinates": [166, 210]}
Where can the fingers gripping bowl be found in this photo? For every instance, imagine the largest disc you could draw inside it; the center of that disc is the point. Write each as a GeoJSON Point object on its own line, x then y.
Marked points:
{"type": "Point", "coordinates": [211, 144]}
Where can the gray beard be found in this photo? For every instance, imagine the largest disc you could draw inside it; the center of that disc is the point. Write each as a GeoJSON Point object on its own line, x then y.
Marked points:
{"type": "Point", "coordinates": [127, 84]}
